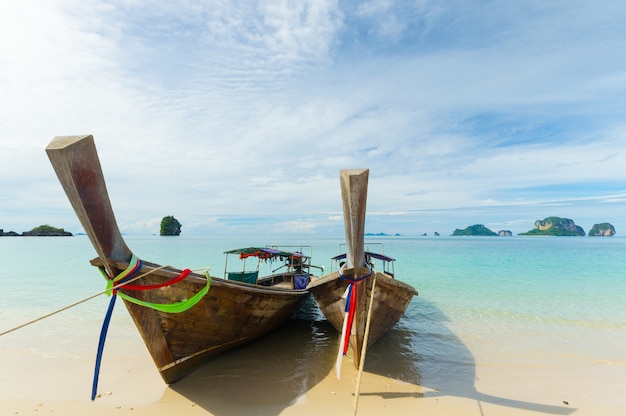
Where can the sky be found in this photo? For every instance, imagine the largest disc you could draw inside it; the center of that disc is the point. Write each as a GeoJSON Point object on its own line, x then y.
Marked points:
{"type": "Point", "coordinates": [236, 117]}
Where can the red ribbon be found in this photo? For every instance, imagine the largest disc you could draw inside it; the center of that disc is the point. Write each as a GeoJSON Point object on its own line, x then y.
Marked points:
{"type": "Point", "coordinates": [178, 278]}
{"type": "Point", "coordinates": [351, 313]}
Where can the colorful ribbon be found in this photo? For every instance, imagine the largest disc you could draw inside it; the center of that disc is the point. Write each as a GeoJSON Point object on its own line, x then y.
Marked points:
{"type": "Point", "coordinates": [351, 303]}
{"type": "Point", "coordinates": [133, 267]}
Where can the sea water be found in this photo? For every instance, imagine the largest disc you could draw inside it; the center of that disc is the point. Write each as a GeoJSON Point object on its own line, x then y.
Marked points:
{"type": "Point", "coordinates": [500, 302]}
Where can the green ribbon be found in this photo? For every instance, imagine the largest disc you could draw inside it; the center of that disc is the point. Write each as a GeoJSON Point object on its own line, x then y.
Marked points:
{"type": "Point", "coordinates": [175, 307]}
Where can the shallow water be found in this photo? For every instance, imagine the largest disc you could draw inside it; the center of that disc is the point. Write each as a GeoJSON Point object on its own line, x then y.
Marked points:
{"type": "Point", "coordinates": [495, 302]}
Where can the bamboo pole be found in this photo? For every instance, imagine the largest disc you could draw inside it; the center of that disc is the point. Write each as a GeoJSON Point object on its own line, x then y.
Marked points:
{"type": "Point", "coordinates": [357, 392]}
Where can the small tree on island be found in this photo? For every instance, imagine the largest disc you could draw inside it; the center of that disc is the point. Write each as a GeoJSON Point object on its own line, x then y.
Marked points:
{"type": "Point", "coordinates": [170, 226]}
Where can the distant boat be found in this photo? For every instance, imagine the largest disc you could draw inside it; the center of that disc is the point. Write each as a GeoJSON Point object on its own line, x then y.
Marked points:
{"type": "Point", "coordinates": [184, 318]}
{"type": "Point", "coordinates": [344, 296]}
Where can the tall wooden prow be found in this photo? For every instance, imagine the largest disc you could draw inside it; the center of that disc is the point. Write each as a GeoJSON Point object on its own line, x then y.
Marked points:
{"type": "Point", "coordinates": [361, 303]}
{"type": "Point", "coordinates": [76, 163]}
{"type": "Point", "coordinates": [354, 197]}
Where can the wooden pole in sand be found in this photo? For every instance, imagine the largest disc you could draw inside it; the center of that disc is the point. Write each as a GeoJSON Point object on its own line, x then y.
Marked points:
{"type": "Point", "coordinates": [357, 392]}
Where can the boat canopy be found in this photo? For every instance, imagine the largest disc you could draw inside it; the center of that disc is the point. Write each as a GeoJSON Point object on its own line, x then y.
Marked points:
{"type": "Point", "coordinates": [367, 254]}
{"type": "Point", "coordinates": [265, 253]}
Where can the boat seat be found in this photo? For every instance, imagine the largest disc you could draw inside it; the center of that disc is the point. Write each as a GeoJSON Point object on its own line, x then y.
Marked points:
{"type": "Point", "coordinates": [246, 277]}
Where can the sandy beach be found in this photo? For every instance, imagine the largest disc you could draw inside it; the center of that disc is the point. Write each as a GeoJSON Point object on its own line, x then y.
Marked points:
{"type": "Point", "coordinates": [283, 374]}
{"type": "Point", "coordinates": [473, 343]}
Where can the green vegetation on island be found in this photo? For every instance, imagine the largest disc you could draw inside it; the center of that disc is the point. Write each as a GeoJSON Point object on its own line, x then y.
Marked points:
{"type": "Point", "coordinates": [556, 226]}
{"type": "Point", "coordinates": [602, 230]}
{"type": "Point", "coordinates": [170, 226]}
{"type": "Point", "coordinates": [47, 231]}
{"type": "Point", "coordinates": [477, 229]}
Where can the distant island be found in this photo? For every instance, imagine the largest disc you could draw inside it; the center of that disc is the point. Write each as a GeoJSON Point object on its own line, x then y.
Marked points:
{"type": "Point", "coordinates": [556, 226]}
{"type": "Point", "coordinates": [550, 226]}
{"type": "Point", "coordinates": [382, 235]}
{"type": "Point", "coordinates": [41, 231]}
{"type": "Point", "coordinates": [602, 230]}
{"type": "Point", "coordinates": [474, 230]}
{"type": "Point", "coordinates": [170, 226]}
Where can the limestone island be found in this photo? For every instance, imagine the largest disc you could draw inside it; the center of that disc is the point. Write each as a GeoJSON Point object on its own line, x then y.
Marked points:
{"type": "Point", "coordinates": [602, 230]}
{"type": "Point", "coordinates": [556, 226]}
{"type": "Point", "coordinates": [170, 226]}
{"type": "Point", "coordinates": [41, 231]}
{"type": "Point", "coordinates": [477, 229]}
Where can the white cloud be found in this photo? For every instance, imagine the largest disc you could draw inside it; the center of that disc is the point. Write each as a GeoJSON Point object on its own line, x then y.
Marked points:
{"type": "Point", "coordinates": [210, 109]}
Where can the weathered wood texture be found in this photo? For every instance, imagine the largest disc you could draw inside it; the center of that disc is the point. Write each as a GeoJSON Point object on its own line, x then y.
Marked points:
{"type": "Point", "coordinates": [231, 314]}
{"type": "Point", "coordinates": [76, 163]}
{"type": "Point", "coordinates": [391, 297]}
{"type": "Point", "coordinates": [354, 197]}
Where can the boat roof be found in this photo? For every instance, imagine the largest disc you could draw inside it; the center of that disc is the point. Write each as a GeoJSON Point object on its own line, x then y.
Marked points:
{"type": "Point", "coordinates": [377, 256]}
{"type": "Point", "coordinates": [265, 253]}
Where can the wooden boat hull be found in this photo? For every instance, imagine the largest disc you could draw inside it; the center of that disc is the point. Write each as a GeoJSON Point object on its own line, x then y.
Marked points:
{"type": "Point", "coordinates": [230, 314]}
{"type": "Point", "coordinates": [390, 301]}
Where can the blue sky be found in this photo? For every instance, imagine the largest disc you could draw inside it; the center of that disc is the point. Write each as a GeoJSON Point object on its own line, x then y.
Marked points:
{"type": "Point", "coordinates": [236, 117]}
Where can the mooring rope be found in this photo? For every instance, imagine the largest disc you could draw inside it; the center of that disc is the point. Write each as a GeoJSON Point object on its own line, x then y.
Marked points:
{"type": "Point", "coordinates": [108, 290]}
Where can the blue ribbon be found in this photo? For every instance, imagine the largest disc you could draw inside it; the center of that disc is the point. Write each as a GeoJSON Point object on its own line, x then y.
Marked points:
{"type": "Point", "coordinates": [103, 335]}
{"type": "Point", "coordinates": [131, 270]}
{"type": "Point", "coordinates": [348, 298]}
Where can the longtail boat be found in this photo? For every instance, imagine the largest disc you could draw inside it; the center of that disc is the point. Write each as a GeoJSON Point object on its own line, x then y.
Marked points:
{"type": "Point", "coordinates": [345, 296]}
{"type": "Point", "coordinates": [183, 317]}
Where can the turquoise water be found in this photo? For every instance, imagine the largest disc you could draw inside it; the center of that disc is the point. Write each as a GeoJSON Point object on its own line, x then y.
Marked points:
{"type": "Point", "coordinates": [518, 302]}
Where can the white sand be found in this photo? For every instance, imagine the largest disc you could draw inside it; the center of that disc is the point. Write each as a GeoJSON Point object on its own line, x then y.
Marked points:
{"type": "Point", "coordinates": [271, 379]}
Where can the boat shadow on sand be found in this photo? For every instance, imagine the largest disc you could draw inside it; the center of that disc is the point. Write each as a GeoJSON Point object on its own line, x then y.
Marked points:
{"type": "Point", "coordinates": [267, 376]}
{"type": "Point", "coordinates": [432, 356]}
